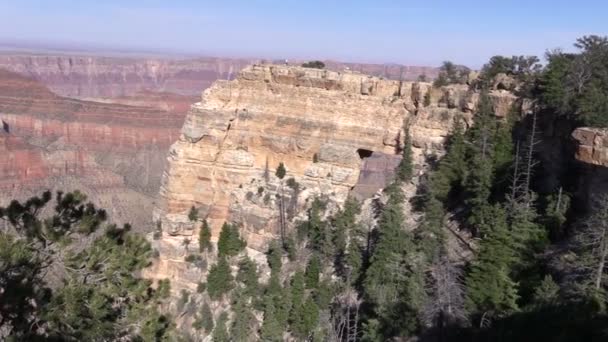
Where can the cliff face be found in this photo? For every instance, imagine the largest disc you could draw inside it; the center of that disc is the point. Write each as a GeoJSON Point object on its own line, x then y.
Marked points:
{"type": "Point", "coordinates": [108, 77]}
{"type": "Point", "coordinates": [333, 132]}
{"type": "Point", "coordinates": [114, 153]}
{"type": "Point", "coordinates": [111, 77]}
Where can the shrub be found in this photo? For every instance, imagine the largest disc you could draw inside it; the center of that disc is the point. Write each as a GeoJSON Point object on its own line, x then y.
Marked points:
{"type": "Point", "coordinates": [260, 190]}
{"type": "Point", "coordinates": [292, 183]}
{"type": "Point", "coordinates": [314, 65]}
{"type": "Point", "coordinates": [267, 198]}
{"type": "Point", "coordinates": [193, 214]}
{"type": "Point", "coordinates": [281, 171]}
{"type": "Point", "coordinates": [249, 195]}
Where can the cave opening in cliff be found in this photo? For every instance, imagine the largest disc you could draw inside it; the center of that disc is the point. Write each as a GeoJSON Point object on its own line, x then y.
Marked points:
{"type": "Point", "coordinates": [363, 153]}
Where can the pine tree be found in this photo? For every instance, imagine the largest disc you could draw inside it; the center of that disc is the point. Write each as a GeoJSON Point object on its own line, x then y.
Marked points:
{"type": "Point", "coordinates": [219, 280]}
{"type": "Point", "coordinates": [243, 321]}
{"type": "Point", "coordinates": [220, 333]}
{"type": "Point", "coordinates": [392, 283]}
{"type": "Point", "coordinates": [229, 242]}
{"type": "Point", "coordinates": [248, 276]}
{"type": "Point", "coordinates": [306, 317]}
{"type": "Point", "coordinates": [405, 170]}
{"type": "Point", "coordinates": [271, 329]}
{"type": "Point", "coordinates": [193, 214]}
{"type": "Point", "coordinates": [313, 270]}
{"type": "Point", "coordinates": [489, 285]}
{"type": "Point", "coordinates": [204, 238]}
{"type": "Point", "coordinates": [274, 256]}
{"type": "Point", "coordinates": [204, 319]}
{"type": "Point", "coordinates": [480, 177]}
{"type": "Point", "coordinates": [281, 171]}
{"type": "Point", "coordinates": [95, 292]}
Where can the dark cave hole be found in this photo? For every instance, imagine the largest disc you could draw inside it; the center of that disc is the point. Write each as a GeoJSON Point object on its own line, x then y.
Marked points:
{"type": "Point", "coordinates": [363, 153]}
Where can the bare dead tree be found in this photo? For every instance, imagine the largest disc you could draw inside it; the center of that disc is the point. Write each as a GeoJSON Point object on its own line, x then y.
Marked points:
{"type": "Point", "coordinates": [593, 242]}
{"type": "Point", "coordinates": [345, 317]}
{"type": "Point", "coordinates": [445, 306]}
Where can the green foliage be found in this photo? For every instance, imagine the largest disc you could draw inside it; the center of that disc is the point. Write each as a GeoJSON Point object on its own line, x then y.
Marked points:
{"type": "Point", "coordinates": [95, 295]}
{"type": "Point", "coordinates": [220, 333]}
{"type": "Point", "coordinates": [243, 321]}
{"type": "Point", "coordinates": [281, 171]}
{"type": "Point", "coordinates": [392, 282]}
{"type": "Point", "coordinates": [260, 190]}
{"type": "Point", "coordinates": [312, 272]}
{"type": "Point", "coordinates": [275, 254]}
{"type": "Point", "coordinates": [193, 214]}
{"type": "Point", "coordinates": [230, 242]}
{"type": "Point", "coordinates": [576, 85]}
{"type": "Point", "coordinates": [248, 276]}
{"type": "Point", "coordinates": [314, 64]}
{"type": "Point", "coordinates": [219, 280]}
{"type": "Point", "coordinates": [405, 170]}
{"type": "Point", "coordinates": [422, 78]}
{"type": "Point", "coordinates": [305, 319]}
{"type": "Point", "coordinates": [449, 73]}
{"type": "Point", "coordinates": [490, 287]}
{"type": "Point", "coordinates": [204, 238]}
{"type": "Point", "coordinates": [204, 319]}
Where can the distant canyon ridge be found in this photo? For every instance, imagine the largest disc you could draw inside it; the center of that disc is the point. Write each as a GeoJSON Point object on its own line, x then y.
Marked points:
{"type": "Point", "coordinates": [104, 124]}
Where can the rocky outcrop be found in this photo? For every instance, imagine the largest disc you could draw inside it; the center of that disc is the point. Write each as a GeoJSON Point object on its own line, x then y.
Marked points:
{"type": "Point", "coordinates": [333, 132]}
{"type": "Point", "coordinates": [592, 145]}
{"type": "Point", "coordinates": [94, 76]}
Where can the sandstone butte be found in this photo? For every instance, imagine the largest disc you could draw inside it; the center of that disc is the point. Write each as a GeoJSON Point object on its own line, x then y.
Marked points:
{"type": "Point", "coordinates": [337, 133]}
{"type": "Point", "coordinates": [113, 152]}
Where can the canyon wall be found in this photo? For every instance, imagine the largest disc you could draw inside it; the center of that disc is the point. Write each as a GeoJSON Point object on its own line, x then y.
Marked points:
{"type": "Point", "coordinates": [337, 133]}
{"type": "Point", "coordinates": [114, 153]}
{"type": "Point", "coordinates": [95, 76]}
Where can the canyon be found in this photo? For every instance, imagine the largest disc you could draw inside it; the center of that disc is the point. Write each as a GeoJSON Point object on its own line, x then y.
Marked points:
{"type": "Point", "coordinates": [104, 124]}
{"type": "Point", "coordinates": [94, 76]}
{"type": "Point", "coordinates": [338, 134]}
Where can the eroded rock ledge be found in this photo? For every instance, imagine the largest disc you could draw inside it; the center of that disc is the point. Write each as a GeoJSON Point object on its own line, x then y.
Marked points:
{"type": "Point", "coordinates": [321, 124]}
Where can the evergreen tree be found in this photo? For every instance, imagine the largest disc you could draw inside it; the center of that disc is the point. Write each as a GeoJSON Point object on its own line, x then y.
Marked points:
{"type": "Point", "coordinates": [297, 289]}
{"type": "Point", "coordinates": [95, 293]}
{"type": "Point", "coordinates": [204, 238]}
{"type": "Point", "coordinates": [204, 319]}
{"type": "Point", "coordinates": [242, 324]}
{"type": "Point", "coordinates": [405, 170]}
{"type": "Point", "coordinates": [306, 317]}
{"type": "Point", "coordinates": [392, 283]}
{"type": "Point", "coordinates": [480, 177]}
{"type": "Point", "coordinates": [271, 329]}
{"type": "Point", "coordinates": [313, 270]}
{"type": "Point", "coordinates": [281, 171]}
{"type": "Point", "coordinates": [229, 242]}
{"type": "Point", "coordinates": [193, 214]}
{"type": "Point", "coordinates": [489, 285]}
{"type": "Point", "coordinates": [248, 276]}
{"type": "Point", "coordinates": [220, 333]}
{"type": "Point", "coordinates": [219, 280]}
{"type": "Point", "coordinates": [275, 255]}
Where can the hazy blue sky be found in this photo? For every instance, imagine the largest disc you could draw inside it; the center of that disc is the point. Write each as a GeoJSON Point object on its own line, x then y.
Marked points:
{"type": "Point", "coordinates": [409, 32]}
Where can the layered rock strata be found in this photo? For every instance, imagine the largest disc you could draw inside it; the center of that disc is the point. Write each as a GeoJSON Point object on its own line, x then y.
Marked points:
{"type": "Point", "coordinates": [114, 153]}
{"type": "Point", "coordinates": [96, 76]}
{"type": "Point", "coordinates": [324, 126]}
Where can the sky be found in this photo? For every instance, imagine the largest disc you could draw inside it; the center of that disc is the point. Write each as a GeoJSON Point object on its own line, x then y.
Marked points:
{"type": "Point", "coordinates": [382, 31]}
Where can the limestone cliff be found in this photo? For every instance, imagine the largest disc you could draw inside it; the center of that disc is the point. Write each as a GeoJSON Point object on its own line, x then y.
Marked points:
{"type": "Point", "coordinates": [321, 124]}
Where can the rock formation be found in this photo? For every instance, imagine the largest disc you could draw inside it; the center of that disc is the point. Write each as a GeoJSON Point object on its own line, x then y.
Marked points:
{"type": "Point", "coordinates": [114, 153]}
{"type": "Point", "coordinates": [592, 145]}
{"type": "Point", "coordinates": [333, 132]}
{"type": "Point", "coordinates": [93, 76]}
